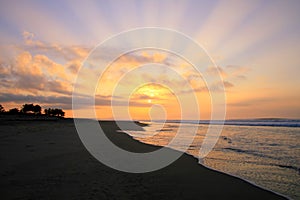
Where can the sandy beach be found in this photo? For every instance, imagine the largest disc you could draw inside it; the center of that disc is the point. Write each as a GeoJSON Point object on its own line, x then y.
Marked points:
{"type": "Point", "coordinates": [45, 159]}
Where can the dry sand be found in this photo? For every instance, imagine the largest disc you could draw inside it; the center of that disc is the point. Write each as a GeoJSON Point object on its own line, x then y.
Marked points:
{"type": "Point", "coordinates": [45, 159]}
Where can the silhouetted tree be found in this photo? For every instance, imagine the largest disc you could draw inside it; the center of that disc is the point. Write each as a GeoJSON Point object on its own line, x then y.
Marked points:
{"type": "Point", "coordinates": [1, 109]}
{"type": "Point", "coordinates": [26, 108]}
{"type": "Point", "coordinates": [59, 112]}
{"type": "Point", "coordinates": [46, 111]}
{"type": "Point", "coordinates": [37, 109]}
{"type": "Point", "coordinates": [54, 112]}
{"type": "Point", "coordinates": [13, 111]}
{"type": "Point", "coordinates": [30, 108]}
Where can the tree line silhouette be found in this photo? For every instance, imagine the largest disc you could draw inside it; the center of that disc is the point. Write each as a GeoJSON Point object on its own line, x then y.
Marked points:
{"type": "Point", "coordinates": [31, 109]}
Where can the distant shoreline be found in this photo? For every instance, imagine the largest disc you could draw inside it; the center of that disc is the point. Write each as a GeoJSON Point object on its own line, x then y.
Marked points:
{"type": "Point", "coordinates": [28, 117]}
{"type": "Point", "coordinates": [267, 122]}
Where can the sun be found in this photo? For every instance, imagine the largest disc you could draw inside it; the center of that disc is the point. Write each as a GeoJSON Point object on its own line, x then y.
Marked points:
{"type": "Point", "coordinates": [151, 94]}
{"type": "Point", "coordinates": [146, 96]}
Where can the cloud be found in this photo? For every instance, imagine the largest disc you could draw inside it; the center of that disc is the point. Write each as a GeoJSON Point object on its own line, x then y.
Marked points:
{"type": "Point", "coordinates": [36, 75]}
{"type": "Point", "coordinates": [30, 83]}
{"type": "Point", "coordinates": [151, 91]}
{"type": "Point", "coordinates": [73, 66]}
{"type": "Point", "coordinates": [143, 57]}
{"type": "Point", "coordinates": [27, 36]}
{"type": "Point", "coordinates": [24, 65]}
{"type": "Point", "coordinates": [4, 70]}
{"type": "Point", "coordinates": [32, 72]}
{"type": "Point", "coordinates": [237, 71]}
{"type": "Point", "coordinates": [65, 101]}
{"type": "Point", "coordinates": [238, 68]}
{"type": "Point", "coordinates": [228, 72]}
{"type": "Point", "coordinates": [227, 84]}
{"type": "Point", "coordinates": [57, 87]}
{"type": "Point", "coordinates": [21, 98]}
{"type": "Point", "coordinates": [221, 86]}
{"type": "Point", "coordinates": [216, 71]}
{"type": "Point", "coordinates": [69, 53]}
{"type": "Point", "coordinates": [52, 68]}
{"type": "Point", "coordinates": [44, 73]}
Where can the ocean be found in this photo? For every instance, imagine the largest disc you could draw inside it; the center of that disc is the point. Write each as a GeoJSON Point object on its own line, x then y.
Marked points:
{"type": "Point", "coordinates": [265, 152]}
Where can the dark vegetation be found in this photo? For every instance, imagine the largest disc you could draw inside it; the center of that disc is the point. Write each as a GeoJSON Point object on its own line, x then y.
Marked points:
{"type": "Point", "coordinates": [54, 112]}
{"type": "Point", "coordinates": [31, 109]}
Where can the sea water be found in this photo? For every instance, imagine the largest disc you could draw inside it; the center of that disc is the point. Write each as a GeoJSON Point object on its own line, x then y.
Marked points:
{"type": "Point", "coordinates": [265, 152]}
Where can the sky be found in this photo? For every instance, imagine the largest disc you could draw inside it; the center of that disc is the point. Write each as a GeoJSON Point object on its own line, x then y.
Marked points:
{"type": "Point", "coordinates": [254, 46]}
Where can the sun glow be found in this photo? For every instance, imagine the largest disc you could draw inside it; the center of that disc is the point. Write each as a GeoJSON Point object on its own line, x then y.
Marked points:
{"type": "Point", "coordinates": [153, 94]}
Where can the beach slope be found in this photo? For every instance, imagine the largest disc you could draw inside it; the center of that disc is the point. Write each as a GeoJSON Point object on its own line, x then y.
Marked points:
{"type": "Point", "coordinates": [45, 159]}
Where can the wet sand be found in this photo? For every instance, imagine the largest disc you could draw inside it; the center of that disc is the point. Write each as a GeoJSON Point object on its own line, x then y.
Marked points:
{"type": "Point", "coordinates": [45, 159]}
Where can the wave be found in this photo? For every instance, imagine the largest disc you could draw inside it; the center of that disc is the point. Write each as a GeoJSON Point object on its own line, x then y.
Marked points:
{"type": "Point", "coordinates": [255, 153]}
{"type": "Point", "coordinates": [249, 122]}
{"type": "Point", "coordinates": [297, 169]}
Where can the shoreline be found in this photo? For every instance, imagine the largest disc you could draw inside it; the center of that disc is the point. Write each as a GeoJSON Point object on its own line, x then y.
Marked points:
{"type": "Point", "coordinates": [203, 165]}
{"type": "Point", "coordinates": [250, 182]}
{"type": "Point", "coordinates": [47, 158]}
{"type": "Point", "coordinates": [199, 161]}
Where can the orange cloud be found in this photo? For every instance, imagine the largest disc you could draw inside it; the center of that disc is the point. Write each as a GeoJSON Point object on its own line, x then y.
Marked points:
{"type": "Point", "coordinates": [24, 64]}
{"type": "Point", "coordinates": [52, 68]}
